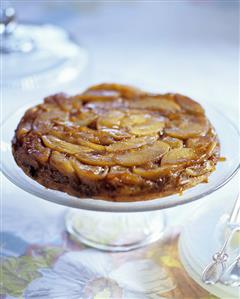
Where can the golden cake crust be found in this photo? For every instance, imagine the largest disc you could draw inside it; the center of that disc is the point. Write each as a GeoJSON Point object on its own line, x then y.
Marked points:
{"type": "Point", "coordinates": [117, 143]}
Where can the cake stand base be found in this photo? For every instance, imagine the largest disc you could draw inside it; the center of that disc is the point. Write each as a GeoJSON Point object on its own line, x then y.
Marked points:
{"type": "Point", "coordinates": [115, 231]}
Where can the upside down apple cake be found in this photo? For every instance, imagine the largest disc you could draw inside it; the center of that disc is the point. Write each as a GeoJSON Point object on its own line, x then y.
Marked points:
{"type": "Point", "coordinates": [117, 143]}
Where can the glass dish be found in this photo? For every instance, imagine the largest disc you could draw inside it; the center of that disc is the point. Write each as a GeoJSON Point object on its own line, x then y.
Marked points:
{"type": "Point", "coordinates": [228, 135]}
{"type": "Point", "coordinates": [54, 55]}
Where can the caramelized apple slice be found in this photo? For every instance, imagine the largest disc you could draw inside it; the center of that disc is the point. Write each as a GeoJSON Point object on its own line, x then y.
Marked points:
{"type": "Point", "coordinates": [65, 104]}
{"type": "Point", "coordinates": [144, 155]}
{"type": "Point", "coordinates": [76, 104]}
{"type": "Point", "coordinates": [63, 146]}
{"type": "Point", "coordinates": [97, 95]}
{"type": "Point", "coordinates": [83, 119]}
{"type": "Point", "coordinates": [104, 136]}
{"type": "Point", "coordinates": [95, 136]}
{"type": "Point", "coordinates": [90, 172]}
{"type": "Point", "coordinates": [91, 145]}
{"type": "Point", "coordinates": [124, 175]}
{"type": "Point", "coordinates": [187, 182]}
{"type": "Point", "coordinates": [204, 145]}
{"type": "Point", "coordinates": [107, 106]}
{"type": "Point", "coordinates": [197, 170]}
{"type": "Point", "coordinates": [131, 143]}
{"type": "Point", "coordinates": [131, 178]}
{"type": "Point", "coordinates": [115, 133]}
{"type": "Point", "coordinates": [157, 172]}
{"type": "Point", "coordinates": [23, 128]}
{"type": "Point", "coordinates": [199, 142]}
{"type": "Point", "coordinates": [178, 156]}
{"type": "Point", "coordinates": [142, 124]}
{"type": "Point", "coordinates": [162, 103]}
{"type": "Point", "coordinates": [39, 151]}
{"type": "Point", "coordinates": [211, 149]}
{"type": "Point", "coordinates": [61, 163]}
{"type": "Point", "coordinates": [111, 119]}
{"type": "Point", "coordinates": [189, 105]}
{"type": "Point", "coordinates": [45, 120]}
{"type": "Point", "coordinates": [61, 100]}
{"type": "Point", "coordinates": [128, 92]}
{"type": "Point", "coordinates": [173, 142]}
{"type": "Point", "coordinates": [188, 127]}
{"type": "Point", "coordinates": [75, 138]}
{"type": "Point", "coordinates": [117, 169]}
{"type": "Point", "coordinates": [148, 128]}
{"type": "Point", "coordinates": [93, 158]}
{"type": "Point", "coordinates": [135, 118]}
{"type": "Point", "coordinates": [126, 191]}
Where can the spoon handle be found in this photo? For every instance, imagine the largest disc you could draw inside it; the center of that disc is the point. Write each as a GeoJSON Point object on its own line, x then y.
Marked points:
{"type": "Point", "coordinates": [231, 275]}
{"type": "Point", "coordinates": [235, 214]}
{"type": "Point", "coordinates": [213, 272]}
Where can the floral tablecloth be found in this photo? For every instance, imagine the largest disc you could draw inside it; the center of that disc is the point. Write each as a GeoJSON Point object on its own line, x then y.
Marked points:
{"type": "Point", "coordinates": [39, 260]}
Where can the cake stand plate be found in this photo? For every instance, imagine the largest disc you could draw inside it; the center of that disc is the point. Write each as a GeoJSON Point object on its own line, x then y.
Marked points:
{"type": "Point", "coordinates": [199, 240]}
{"type": "Point", "coordinates": [151, 225]}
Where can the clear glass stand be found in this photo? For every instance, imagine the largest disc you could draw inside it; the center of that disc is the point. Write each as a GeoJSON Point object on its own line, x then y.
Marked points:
{"type": "Point", "coordinates": [37, 56]}
{"type": "Point", "coordinates": [115, 231]}
{"type": "Point", "coordinates": [121, 226]}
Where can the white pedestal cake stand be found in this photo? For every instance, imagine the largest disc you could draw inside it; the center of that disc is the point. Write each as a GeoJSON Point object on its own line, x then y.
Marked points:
{"type": "Point", "coordinates": [122, 226]}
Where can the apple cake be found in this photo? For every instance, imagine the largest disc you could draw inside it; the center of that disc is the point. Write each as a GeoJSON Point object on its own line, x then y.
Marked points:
{"type": "Point", "coordinates": [117, 143]}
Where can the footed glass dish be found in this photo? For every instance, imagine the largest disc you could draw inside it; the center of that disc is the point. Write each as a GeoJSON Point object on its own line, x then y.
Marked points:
{"type": "Point", "coordinates": [119, 226]}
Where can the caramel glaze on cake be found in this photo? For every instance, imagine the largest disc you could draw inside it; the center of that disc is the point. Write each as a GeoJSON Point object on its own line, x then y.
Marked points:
{"type": "Point", "coordinates": [117, 143]}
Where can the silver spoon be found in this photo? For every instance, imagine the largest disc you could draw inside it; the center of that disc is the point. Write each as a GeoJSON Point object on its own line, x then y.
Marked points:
{"type": "Point", "coordinates": [214, 271]}
{"type": "Point", "coordinates": [231, 276]}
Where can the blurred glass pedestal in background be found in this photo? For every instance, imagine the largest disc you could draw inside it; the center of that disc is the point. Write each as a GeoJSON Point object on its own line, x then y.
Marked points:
{"type": "Point", "coordinates": [52, 60]}
{"type": "Point", "coordinates": [115, 231]}
{"type": "Point", "coordinates": [37, 60]}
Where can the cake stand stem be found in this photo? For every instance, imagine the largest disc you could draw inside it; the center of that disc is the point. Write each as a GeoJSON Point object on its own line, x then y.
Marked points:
{"type": "Point", "coordinates": [115, 231]}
